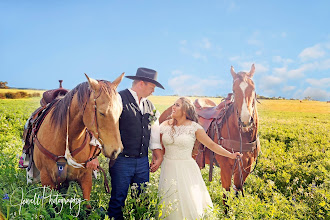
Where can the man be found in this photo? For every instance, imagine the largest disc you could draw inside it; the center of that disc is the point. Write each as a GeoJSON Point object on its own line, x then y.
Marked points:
{"type": "Point", "coordinates": [138, 132]}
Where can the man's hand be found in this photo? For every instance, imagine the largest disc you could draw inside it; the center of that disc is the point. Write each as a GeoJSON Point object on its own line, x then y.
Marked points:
{"type": "Point", "coordinates": [93, 164]}
{"type": "Point", "coordinates": [157, 159]}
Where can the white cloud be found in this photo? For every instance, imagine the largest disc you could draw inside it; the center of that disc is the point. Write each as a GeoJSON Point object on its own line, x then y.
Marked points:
{"type": "Point", "coordinates": [281, 71]}
{"type": "Point", "coordinates": [270, 82]}
{"type": "Point", "coordinates": [191, 85]}
{"type": "Point", "coordinates": [324, 65]}
{"type": "Point", "coordinates": [194, 50]}
{"type": "Point", "coordinates": [199, 56]}
{"type": "Point", "coordinates": [317, 94]}
{"type": "Point", "coordinates": [283, 34]}
{"type": "Point", "coordinates": [288, 88]}
{"type": "Point", "coordinates": [279, 59]}
{"type": "Point", "coordinates": [236, 58]}
{"type": "Point", "coordinates": [206, 44]}
{"type": "Point", "coordinates": [300, 72]}
{"type": "Point", "coordinates": [260, 68]}
{"type": "Point", "coordinates": [312, 53]}
{"type": "Point", "coordinates": [320, 83]}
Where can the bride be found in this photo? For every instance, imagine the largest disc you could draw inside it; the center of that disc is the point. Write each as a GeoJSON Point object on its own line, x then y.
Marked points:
{"type": "Point", "coordinates": [181, 186]}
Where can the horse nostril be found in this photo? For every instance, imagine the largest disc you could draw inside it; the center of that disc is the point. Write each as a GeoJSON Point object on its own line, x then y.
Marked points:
{"type": "Point", "coordinates": [113, 155]}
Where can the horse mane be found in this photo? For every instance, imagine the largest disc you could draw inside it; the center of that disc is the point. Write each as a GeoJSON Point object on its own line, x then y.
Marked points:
{"type": "Point", "coordinates": [60, 111]}
{"type": "Point", "coordinates": [83, 91]}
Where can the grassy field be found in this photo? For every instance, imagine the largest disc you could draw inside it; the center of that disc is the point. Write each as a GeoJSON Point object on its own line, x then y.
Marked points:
{"type": "Point", "coordinates": [291, 180]}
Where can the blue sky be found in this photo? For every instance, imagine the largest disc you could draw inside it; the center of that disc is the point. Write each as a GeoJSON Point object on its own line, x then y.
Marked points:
{"type": "Point", "coordinates": [191, 44]}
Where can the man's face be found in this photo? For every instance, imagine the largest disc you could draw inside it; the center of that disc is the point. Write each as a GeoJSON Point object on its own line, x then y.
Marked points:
{"type": "Point", "coordinates": [147, 89]}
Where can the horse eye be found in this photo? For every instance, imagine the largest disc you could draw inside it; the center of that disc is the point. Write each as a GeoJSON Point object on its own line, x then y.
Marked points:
{"type": "Point", "coordinates": [102, 114]}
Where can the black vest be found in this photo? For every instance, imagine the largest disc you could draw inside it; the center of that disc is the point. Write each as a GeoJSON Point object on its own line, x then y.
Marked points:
{"type": "Point", "coordinates": [134, 127]}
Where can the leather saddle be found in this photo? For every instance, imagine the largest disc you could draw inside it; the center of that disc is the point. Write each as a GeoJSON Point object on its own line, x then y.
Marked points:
{"type": "Point", "coordinates": [207, 112]}
{"type": "Point", "coordinates": [36, 118]}
{"type": "Point", "coordinates": [50, 95]}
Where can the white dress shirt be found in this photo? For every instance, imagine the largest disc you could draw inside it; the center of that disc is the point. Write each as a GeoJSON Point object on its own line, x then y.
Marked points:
{"type": "Point", "coordinates": [154, 142]}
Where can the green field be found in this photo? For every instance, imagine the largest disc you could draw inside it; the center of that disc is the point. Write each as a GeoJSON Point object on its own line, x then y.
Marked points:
{"type": "Point", "coordinates": [291, 180]}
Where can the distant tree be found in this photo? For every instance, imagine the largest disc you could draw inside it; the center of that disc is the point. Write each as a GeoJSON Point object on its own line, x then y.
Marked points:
{"type": "Point", "coordinates": [3, 85]}
{"type": "Point", "coordinates": [308, 98]}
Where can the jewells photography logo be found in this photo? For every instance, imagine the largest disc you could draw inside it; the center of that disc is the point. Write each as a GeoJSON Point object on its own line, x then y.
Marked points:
{"type": "Point", "coordinates": [41, 196]}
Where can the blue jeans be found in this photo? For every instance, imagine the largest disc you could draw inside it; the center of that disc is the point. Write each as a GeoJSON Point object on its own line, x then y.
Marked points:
{"type": "Point", "coordinates": [124, 173]}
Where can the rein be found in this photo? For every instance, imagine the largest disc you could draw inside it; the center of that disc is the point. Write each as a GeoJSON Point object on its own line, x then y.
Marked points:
{"type": "Point", "coordinates": [238, 160]}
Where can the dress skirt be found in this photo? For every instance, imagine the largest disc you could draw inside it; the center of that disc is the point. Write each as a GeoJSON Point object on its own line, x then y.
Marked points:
{"type": "Point", "coordinates": [183, 190]}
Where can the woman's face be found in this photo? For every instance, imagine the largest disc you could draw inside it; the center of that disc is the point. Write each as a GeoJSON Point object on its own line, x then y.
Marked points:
{"type": "Point", "coordinates": [177, 111]}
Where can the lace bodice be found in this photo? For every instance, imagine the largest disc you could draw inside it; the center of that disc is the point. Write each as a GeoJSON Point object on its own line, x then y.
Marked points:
{"type": "Point", "coordinates": [180, 142]}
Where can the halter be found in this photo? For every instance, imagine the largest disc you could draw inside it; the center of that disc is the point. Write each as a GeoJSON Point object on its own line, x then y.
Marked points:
{"type": "Point", "coordinates": [252, 124]}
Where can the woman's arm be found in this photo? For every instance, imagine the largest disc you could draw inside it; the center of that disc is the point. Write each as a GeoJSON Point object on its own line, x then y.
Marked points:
{"type": "Point", "coordinates": [202, 137]}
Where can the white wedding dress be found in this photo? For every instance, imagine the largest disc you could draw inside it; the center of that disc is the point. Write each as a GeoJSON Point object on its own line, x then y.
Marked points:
{"type": "Point", "coordinates": [181, 186]}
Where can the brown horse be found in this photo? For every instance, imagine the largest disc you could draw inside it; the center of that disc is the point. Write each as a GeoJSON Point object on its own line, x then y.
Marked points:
{"type": "Point", "coordinates": [62, 142]}
{"type": "Point", "coordinates": [234, 125]}
{"type": "Point", "coordinates": [238, 131]}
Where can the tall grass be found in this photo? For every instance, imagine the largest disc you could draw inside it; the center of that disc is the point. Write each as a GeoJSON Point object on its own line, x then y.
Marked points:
{"type": "Point", "coordinates": [291, 180]}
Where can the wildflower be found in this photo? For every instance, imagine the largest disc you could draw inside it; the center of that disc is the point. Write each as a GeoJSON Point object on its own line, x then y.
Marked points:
{"type": "Point", "coordinates": [5, 197]}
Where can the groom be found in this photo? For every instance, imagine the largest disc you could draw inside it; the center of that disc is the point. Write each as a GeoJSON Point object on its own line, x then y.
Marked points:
{"type": "Point", "coordinates": [138, 133]}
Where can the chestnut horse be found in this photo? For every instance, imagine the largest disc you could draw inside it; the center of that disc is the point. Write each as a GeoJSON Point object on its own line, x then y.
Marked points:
{"type": "Point", "coordinates": [62, 143]}
{"type": "Point", "coordinates": [238, 131]}
{"type": "Point", "coordinates": [234, 125]}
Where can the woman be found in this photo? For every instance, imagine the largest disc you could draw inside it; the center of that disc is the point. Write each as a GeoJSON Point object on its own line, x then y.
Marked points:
{"type": "Point", "coordinates": [181, 185]}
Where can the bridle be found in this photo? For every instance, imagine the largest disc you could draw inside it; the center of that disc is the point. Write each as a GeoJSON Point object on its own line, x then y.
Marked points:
{"type": "Point", "coordinates": [251, 124]}
{"type": "Point", "coordinates": [96, 134]}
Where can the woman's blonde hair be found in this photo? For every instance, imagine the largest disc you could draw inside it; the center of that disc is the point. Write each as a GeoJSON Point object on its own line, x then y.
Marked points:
{"type": "Point", "coordinates": [188, 109]}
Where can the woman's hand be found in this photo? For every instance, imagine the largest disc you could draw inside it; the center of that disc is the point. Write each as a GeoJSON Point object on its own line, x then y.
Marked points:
{"type": "Point", "coordinates": [235, 155]}
{"type": "Point", "coordinates": [93, 164]}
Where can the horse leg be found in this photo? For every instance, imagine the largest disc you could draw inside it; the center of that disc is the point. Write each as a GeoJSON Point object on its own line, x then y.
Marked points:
{"type": "Point", "coordinates": [225, 181]}
{"type": "Point", "coordinates": [86, 186]}
{"type": "Point", "coordinates": [46, 179]}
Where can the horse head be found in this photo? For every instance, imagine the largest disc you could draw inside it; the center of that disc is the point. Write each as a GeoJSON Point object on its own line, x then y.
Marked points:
{"type": "Point", "coordinates": [101, 115]}
{"type": "Point", "coordinates": [245, 98]}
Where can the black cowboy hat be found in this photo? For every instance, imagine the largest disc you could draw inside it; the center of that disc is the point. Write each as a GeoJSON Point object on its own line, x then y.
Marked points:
{"type": "Point", "coordinates": [147, 75]}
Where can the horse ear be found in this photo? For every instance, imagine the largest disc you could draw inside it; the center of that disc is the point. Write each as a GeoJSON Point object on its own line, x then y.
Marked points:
{"type": "Point", "coordinates": [93, 84]}
{"type": "Point", "coordinates": [232, 71]}
{"type": "Point", "coordinates": [116, 82]}
{"type": "Point", "coordinates": [250, 74]}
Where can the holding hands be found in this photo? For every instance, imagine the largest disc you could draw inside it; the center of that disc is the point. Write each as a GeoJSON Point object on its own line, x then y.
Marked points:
{"type": "Point", "coordinates": [157, 159]}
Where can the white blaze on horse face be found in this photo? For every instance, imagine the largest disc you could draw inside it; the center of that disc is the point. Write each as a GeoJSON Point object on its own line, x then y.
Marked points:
{"type": "Point", "coordinates": [245, 115]}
